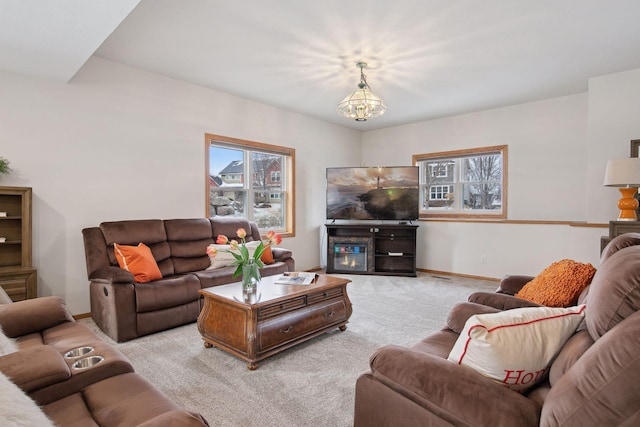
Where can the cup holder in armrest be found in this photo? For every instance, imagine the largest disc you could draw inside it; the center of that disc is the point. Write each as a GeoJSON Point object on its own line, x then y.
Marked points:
{"type": "Point", "coordinates": [87, 362]}
{"type": "Point", "coordinates": [77, 352]}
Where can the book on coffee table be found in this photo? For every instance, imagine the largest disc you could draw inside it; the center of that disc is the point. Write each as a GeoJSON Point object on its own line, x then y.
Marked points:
{"type": "Point", "coordinates": [296, 278]}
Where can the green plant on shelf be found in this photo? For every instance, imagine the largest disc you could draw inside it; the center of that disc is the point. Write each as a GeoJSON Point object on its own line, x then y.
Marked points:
{"type": "Point", "coordinates": [4, 166]}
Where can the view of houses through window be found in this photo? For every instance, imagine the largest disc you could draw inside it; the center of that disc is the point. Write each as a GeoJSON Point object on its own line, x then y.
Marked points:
{"type": "Point", "coordinates": [264, 198]}
{"type": "Point", "coordinates": [463, 183]}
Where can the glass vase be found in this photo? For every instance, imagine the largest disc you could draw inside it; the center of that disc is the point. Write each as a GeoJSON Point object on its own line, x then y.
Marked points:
{"type": "Point", "coordinates": [250, 276]}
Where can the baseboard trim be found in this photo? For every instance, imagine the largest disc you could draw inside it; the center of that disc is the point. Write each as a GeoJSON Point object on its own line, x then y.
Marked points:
{"type": "Point", "coordinates": [81, 316]}
{"type": "Point", "coordinates": [466, 276]}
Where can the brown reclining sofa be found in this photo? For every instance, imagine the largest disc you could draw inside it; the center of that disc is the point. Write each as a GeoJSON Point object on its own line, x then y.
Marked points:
{"type": "Point", "coordinates": [69, 391]}
{"type": "Point", "coordinates": [593, 381]}
{"type": "Point", "coordinates": [124, 309]}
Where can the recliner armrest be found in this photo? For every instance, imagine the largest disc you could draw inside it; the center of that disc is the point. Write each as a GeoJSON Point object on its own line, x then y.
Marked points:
{"type": "Point", "coordinates": [511, 284]}
{"type": "Point", "coordinates": [36, 367]}
{"type": "Point", "coordinates": [456, 390]}
{"type": "Point", "coordinates": [461, 312]}
{"type": "Point", "coordinates": [111, 274]}
{"type": "Point", "coordinates": [33, 315]}
{"type": "Point", "coordinates": [280, 254]}
{"type": "Point", "coordinates": [500, 301]}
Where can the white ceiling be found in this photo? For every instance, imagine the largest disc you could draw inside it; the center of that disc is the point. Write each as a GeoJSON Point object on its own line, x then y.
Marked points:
{"type": "Point", "coordinates": [427, 58]}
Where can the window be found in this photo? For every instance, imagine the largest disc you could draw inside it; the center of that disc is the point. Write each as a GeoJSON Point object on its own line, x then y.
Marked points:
{"type": "Point", "coordinates": [438, 170]}
{"type": "Point", "coordinates": [260, 198]}
{"type": "Point", "coordinates": [463, 183]}
{"type": "Point", "coordinates": [440, 192]}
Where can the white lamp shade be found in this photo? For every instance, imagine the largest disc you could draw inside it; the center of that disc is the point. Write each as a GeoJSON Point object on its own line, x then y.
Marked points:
{"type": "Point", "coordinates": [623, 172]}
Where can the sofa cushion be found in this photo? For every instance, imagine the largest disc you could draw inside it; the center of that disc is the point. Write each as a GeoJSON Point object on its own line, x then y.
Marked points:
{"type": "Point", "coordinates": [515, 347]}
{"type": "Point", "coordinates": [559, 285]}
{"type": "Point", "coordinates": [222, 255]}
{"type": "Point", "coordinates": [17, 410]}
{"type": "Point", "coordinates": [166, 292]}
{"type": "Point", "coordinates": [572, 350]}
{"type": "Point", "coordinates": [602, 388]}
{"type": "Point", "coordinates": [70, 411]}
{"type": "Point", "coordinates": [267, 256]}
{"type": "Point", "coordinates": [125, 400]}
{"type": "Point", "coordinates": [139, 261]}
{"type": "Point", "coordinates": [614, 293]}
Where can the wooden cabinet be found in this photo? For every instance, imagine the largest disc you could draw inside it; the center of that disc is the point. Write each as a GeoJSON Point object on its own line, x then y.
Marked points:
{"type": "Point", "coordinates": [384, 249]}
{"type": "Point", "coordinates": [17, 275]}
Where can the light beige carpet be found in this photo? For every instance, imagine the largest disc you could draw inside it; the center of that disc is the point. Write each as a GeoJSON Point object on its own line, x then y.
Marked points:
{"type": "Point", "coordinates": [309, 385]}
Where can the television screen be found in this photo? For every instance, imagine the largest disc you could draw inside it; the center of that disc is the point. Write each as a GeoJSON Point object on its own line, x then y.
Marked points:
{"type": "Point", "coordinates": [373, 193]}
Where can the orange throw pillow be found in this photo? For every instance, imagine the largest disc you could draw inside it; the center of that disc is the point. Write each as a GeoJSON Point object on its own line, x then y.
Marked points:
{"type": "Point", "coordinates": [559, 285]}
{"type": "Point", "coordinates": [139, 261]}
{"type": "Point", "coordinates": [267, 256]}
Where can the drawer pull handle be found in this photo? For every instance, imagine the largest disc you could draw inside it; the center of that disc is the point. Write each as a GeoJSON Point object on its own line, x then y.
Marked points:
{"type": "Point", "coordinates": [285, 331]}
{"type": "Point", "coordinates": [329, 314]}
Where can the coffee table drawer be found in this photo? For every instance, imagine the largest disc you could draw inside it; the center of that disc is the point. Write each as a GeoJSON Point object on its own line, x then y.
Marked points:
{"type": "Point", "coordinates": [289, 327]}
{"type": "Point", "coordinates": [325, 295]}
{"type": "Point", "coordinates": [281, 307]}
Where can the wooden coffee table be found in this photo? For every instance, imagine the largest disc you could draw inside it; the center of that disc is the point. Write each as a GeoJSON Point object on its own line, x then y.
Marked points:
{"type": "Point", "coordinates": [254, 326]}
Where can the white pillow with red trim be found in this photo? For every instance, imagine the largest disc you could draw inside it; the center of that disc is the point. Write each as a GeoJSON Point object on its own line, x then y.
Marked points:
{"type": "Point", "coordinates": [515, 347]}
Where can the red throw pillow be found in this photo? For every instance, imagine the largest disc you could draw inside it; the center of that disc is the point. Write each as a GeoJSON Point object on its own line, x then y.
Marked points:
{"type": "Point", "coordinates": [139, 261]}
{"type": "Point", "coordinates": [267, 256]}
{"type": "Point", "coordinates": [559, 285]}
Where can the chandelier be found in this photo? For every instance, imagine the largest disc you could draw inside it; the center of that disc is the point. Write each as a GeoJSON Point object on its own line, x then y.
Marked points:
{"type": "Point", "coordinates": [362, 104]}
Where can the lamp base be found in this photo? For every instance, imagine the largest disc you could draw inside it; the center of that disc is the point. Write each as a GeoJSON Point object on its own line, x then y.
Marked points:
{"type": "Point", "coordinates": [627, 205]}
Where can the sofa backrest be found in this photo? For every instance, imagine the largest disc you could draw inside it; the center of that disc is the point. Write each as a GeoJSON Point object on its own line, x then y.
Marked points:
{"type": "Point", "coordinates": [614, 293]}
{"type": "Point", "coordinates": [228, 226]}
{"type": "Point", "coordinates": [178, 245]}
{"type": "Point", "coordinates": [188, 240]}
{"type": "Point", "coordinates": [619, 242]}
{"type": "Point", "coordinates": [151, 232]}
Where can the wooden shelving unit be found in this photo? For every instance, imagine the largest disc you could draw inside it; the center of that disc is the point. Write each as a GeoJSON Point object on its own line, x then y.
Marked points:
{"type": "Point", "coordinates": [17, 275]}
{"type": "Point", "coordinates": [383, 249]}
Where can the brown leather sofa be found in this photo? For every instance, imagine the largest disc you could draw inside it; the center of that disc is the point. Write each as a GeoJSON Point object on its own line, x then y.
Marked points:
{"type": "Point", "coordinates": [125, 309]}
{"type": "Point", "coordinates": [593, 381]}
{"type": "Point", "coordinates": [108, 393]}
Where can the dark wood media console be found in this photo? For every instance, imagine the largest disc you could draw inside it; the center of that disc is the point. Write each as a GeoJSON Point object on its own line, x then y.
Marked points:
{"type": "Point", "coordinates": [383, 249]}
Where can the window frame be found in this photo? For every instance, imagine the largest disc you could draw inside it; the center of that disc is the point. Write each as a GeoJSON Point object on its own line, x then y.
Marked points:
{"type": "Point", "coordinates": [458, 183]}
{"type": "Point", "coordinates": [287, 175]}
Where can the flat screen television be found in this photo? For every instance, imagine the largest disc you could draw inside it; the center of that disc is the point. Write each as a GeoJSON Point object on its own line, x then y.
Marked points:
{"type": "Point", "coordinates": [373, 193]}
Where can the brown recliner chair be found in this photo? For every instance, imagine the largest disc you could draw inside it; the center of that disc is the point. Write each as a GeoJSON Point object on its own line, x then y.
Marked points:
{"type": "Point", "coordinates": [108, 393]}
{"type": "Point", "coordinates": [594, 380]}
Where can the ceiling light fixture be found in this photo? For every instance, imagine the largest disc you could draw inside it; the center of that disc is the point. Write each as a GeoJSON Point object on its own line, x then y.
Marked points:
{"type": "Point", "coordinates": [362, 104]}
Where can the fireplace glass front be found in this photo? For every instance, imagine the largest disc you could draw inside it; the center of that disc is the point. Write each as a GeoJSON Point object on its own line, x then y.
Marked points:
{"type": "Point", "coordinates": [349, 257]}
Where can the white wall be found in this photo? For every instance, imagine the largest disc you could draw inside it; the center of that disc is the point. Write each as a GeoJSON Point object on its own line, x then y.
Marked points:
{"type": "Point", "coordinates": [614, 120]}
{"type": "Point", "coordinates": [557, 152]}
{"type": "Point", "coordinates": [120, 143]}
